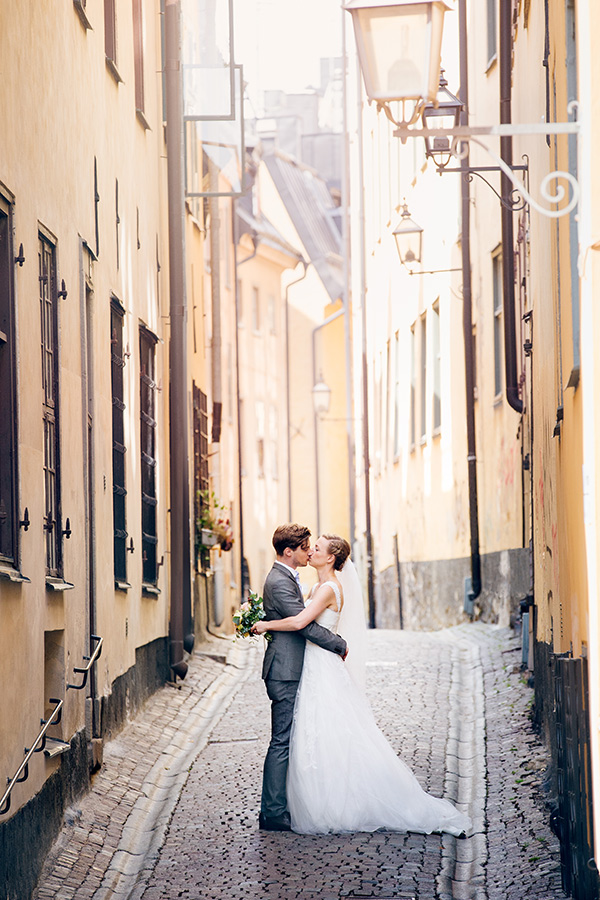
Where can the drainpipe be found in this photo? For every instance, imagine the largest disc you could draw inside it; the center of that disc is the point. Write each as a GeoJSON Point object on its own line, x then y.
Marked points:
{"type": "Point", "coordinates": [346, 258]}
{"type": "Point", "coordinates": [216, 347]}
{"type": "Point", "coordinates": [236, 264]}
{"type": "Point", "coordinates": [331, 318]}
{"type": "Point", "coordinates": [180, 593]}
{"type": "Point", "coordinates": [364, 370]}
{"type": "Point", "coordinates": [287, 380]}
{"type": "Point", "coordinates": [474, 589]}
{"type": "Point", "coordinates": [506, 187]}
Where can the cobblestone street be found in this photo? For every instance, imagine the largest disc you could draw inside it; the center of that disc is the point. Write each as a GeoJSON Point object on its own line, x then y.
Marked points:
{"type": "Point", "coordinates": [173, 811]}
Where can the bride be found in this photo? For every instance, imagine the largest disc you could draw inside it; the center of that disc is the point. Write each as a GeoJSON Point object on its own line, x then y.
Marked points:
{"type": "Point", "coordinates": [343, 775]}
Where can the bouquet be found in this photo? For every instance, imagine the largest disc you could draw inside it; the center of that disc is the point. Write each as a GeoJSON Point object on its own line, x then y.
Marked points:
{"type": "Point", "coordinates": [248, 615]}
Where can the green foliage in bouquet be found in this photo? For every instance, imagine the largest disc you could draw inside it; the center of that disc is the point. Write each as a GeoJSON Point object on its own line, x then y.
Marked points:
{"type": "Point", "coordinates": [248, 615]}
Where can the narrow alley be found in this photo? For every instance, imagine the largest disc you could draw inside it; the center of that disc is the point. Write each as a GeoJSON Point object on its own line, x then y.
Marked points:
{"type": "Point", "coordinates": [173, 811]}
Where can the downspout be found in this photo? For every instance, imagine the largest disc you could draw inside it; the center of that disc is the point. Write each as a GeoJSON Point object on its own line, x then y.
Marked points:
{"type": "Point", "coordinates": [506, 187]}
{"type": "Point", "coordinates": [331, 318]}
{"type": "Point", "coordinates": [364, 373]}
{"type": "Point", "coordinates": [216, 347]}
{"type": "Point", "coordinates": [236, 264]}
{"type": "Point", "coordinates": [287, 380]}
{"type": "Point", "coordinates": [346, 258]}
{"type": "Point", "coordinates": [474, 590]}
{"type": "Point", "coordinates": [180, 587]}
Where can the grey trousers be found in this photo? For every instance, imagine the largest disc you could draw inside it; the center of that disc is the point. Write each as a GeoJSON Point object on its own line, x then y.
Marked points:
{"type": "Point", "coordinates": [282, 695]}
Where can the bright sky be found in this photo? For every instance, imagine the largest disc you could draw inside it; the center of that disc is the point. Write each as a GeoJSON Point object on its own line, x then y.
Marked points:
{"type": "Point", "coordinates": [279, 42]}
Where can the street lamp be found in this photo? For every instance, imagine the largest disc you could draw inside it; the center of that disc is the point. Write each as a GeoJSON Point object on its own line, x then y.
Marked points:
{"type": "Point", "coordinates": [399, 45]}
{"type": "Point", "coordinates": [409, 238]}
{"type": "Point", "coordinates": [440, 116]}
{"type": "Point", "coordinates": [321, 397]}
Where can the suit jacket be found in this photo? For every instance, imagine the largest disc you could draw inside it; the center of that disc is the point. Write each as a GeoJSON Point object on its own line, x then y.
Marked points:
{"type": "Point", "coordinates": [284, 655]}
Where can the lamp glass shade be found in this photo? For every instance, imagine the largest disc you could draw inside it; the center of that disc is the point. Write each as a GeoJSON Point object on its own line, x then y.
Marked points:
{"type": "Point", "coordinates": [399, 46]}
{"type": "Point", "coordinates": [441, 115]}
{"type": "Point", "coordinates": [408, 236]}
{"type": "Point", "coordinates": [321, 397]}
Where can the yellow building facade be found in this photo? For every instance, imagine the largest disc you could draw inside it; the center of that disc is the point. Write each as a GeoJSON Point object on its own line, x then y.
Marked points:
{"type": "Point", "coordinates": [533, 332]}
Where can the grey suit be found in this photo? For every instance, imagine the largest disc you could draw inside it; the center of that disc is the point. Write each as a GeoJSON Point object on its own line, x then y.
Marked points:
{"type": "Point", "coordinates": [282, 668]}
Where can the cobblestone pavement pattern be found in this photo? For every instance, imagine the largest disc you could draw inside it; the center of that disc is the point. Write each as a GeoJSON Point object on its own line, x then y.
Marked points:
{"type": "Point", "coordinates": [173, 811]}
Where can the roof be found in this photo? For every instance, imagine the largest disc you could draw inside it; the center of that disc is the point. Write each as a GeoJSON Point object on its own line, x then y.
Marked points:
{"type": "Point", "coordinates": [313, 213]}
{"type": "Point", "coordinates": [259, 225]}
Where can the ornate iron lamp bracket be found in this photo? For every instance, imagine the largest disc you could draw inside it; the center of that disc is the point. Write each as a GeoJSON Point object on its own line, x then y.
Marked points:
{"type": "Point", "coordinates": [464, 134]}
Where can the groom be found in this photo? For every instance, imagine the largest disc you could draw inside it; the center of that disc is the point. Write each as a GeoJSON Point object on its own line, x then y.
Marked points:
{"type": "Point", "coordinates": [282, 666]}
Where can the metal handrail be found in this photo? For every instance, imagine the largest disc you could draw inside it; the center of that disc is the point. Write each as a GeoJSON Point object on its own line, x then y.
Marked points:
{"type": "Point", "coordinates": [84, 670]}
{"type": "Point", "coordinates": [22, 772]}
{"type": "Point", "coordinates": [29, 753]}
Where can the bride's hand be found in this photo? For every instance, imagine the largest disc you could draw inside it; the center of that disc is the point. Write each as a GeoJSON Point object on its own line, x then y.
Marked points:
{"type": "Point", "coordinates": [259, 628]}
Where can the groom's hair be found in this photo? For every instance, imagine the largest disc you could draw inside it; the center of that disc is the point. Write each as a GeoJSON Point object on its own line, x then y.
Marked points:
{"type": "Point", "coordinates": [290, 535]}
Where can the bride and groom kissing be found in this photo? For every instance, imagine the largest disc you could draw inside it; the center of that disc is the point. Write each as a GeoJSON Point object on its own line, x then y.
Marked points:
{"type": "Point", "coordinates": [329, 769]}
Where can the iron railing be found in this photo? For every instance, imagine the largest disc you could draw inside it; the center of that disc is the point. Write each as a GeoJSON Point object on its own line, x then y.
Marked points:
{"type": "Point", "coordinates": [22, 773]}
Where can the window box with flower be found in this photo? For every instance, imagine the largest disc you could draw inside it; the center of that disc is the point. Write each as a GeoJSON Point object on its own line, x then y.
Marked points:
{"type": "Point", "coordinates": [213, 525]}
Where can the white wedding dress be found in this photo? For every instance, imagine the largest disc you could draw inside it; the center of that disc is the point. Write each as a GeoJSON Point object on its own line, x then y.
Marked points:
{"type": "Point", "coordinates": [343, 774]}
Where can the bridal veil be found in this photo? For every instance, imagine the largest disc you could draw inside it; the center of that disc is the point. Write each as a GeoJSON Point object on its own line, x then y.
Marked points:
{"type": "Point", "coordinates": [352, 624]}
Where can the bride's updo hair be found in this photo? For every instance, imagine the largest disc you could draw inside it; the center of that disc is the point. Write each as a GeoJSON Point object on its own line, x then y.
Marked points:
{"type": "Point", "coordinates": [339, 547]}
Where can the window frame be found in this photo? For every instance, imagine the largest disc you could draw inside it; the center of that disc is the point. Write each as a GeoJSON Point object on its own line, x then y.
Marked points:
{"type": "Point", "coordinates": [119, 484]}
{"type": "Point", "coordinates": [50, 350]}
{"type": "Point", "coordinates": [148, 455]}
{"type": "Point", "coordinates": [9, 446]}
{"type": "Point", "coordinates": [423, 379]}
{"type": "Point", "coordinates": [413, 388]}
{"type": "Point", "coordinates": [436, 394]}
{"type": "Point", "coordinates": [498, 312]}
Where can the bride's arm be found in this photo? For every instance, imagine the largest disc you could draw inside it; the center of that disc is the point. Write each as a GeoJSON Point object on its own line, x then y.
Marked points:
{"type": "Point", "coordinates": [319, 602]}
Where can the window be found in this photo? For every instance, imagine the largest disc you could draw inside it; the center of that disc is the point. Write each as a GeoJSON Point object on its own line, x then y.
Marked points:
{"type": "Point", "coordinates": [260, 437]}
{"type": "Point", "coordinates": [9, 511]}
{"type": "Point", "coordinates": [498, 326]}
{"type": "Point", "coordinates": [397, 395]}
{"type": "Point", "coordinates": [271, 314]}
{"type": "Point", "coordinates": [118, 435]}
{"type": "Point", "coordinates": [138, 54]}
{"type": "Point", "coordinates": [200, 426]}
{"type": "Point", "coordinates": [492, 29]}
{"type": "Point", "coordinates": [475, 370]}
{"type": "Point", "coordinates": [110, 33]}
{"type": "Point", "coordinates": [437, 369]}
{"type": "Point", "coordinates": [240, 302]}
{"type": "Point", "coordinates": [423, 385]}
{"type": "Point", "coordinates": [50, 411]}
{"type": "Point", "coordinates": [413, 387]}
{"type": "Point", "coordinates": [255, 309]}
{"type": "Point", "coordinates": [274, 441]}
{"type": "Point", "coordinates": [148, 454]}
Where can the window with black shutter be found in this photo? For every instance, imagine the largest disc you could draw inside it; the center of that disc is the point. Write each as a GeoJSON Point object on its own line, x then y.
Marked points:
{"type": "Point", "coordinates": [200, 452]}
{"type": "Point", "coordinates": [148, 454]}
{"type": "Point", "coordinates": [8, 401]}
{"type": "Point", "coordinates": [118, 435]}
{"type": "Point", "coordinates": [50, 411]}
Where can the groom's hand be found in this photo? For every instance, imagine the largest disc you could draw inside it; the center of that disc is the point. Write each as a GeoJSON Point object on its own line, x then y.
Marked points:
{"type": "Point", "coordinates": [346, 653]}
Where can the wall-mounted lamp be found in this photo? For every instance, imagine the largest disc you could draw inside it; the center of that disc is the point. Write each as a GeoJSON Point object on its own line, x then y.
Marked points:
{"type": "Point", "coordinates": [440, 116]}
{"type": "Point", "coordinates": [399, 45]}
{"type": "Point", "coordinates": [321, 397]}
{"type": "Point", "coordinates": [409, 238]}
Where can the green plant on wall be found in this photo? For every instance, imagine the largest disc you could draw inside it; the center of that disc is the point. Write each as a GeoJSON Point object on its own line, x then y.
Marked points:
{"type": "Point", "coordinates": [213, 525]}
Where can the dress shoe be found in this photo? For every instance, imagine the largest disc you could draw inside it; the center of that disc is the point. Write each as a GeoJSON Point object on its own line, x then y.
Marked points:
{"type": "Point", "coordinates": [277, 824]}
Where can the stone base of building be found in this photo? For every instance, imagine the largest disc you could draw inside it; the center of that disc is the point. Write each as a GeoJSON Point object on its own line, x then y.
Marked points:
{"type": "Point", "coordinates": [26, 838]}
{"type": "Point", "coordinates": [431, 593]}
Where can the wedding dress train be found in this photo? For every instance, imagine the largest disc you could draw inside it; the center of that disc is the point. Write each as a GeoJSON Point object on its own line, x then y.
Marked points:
{"type": "Point", "coordinates": [343, 774]}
